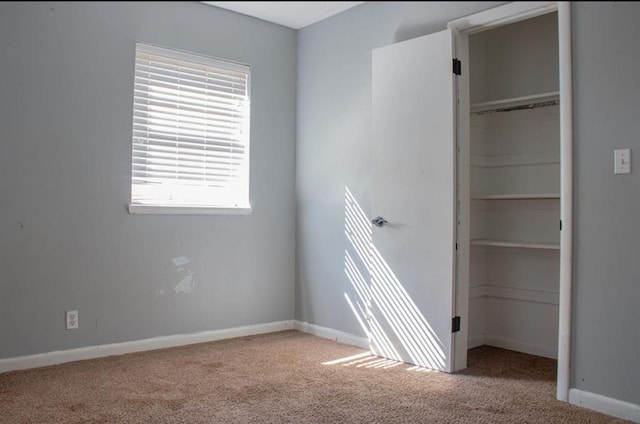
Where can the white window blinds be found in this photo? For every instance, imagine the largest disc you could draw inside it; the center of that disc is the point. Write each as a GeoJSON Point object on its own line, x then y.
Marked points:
{"type": "Point", "coordinates": [190, 131]}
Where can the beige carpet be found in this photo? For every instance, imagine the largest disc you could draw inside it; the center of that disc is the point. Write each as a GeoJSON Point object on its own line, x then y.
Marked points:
{"type": "Point", "coordinates": [286, 377]}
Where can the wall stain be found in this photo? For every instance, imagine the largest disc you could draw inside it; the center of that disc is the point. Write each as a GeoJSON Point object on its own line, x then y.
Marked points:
{"type": "Point", "coordinates": [187, 284]}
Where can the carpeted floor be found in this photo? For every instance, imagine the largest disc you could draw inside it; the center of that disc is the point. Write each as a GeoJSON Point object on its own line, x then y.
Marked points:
{"type": "Point", "coordinates": [286, 377]}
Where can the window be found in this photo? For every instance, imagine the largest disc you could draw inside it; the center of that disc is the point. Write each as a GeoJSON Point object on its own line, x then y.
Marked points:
{"type": "Point", "coordinates": [190, 149]}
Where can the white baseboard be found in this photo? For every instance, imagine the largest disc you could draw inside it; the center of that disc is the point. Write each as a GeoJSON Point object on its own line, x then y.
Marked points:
{"type": "Point", "coordinates": [329, 333]}
{"type": "Point", "coordinates": [606, 405]}
{"type": "Point", "coordinates": [519, 346]}
{"type": "Point", "coordinates": [91, 352]}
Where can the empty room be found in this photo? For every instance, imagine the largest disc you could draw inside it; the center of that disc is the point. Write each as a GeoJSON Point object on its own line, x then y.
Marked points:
{"type": "Point", "coordinates": [319, 212]}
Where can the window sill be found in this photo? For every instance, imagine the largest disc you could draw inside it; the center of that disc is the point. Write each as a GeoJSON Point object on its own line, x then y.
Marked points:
{"type": "Point", "coordinates": [186, 210]}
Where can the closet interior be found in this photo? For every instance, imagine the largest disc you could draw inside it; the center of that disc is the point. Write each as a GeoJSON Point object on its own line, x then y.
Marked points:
{"type": "Point", "coordinates": [515, 187]}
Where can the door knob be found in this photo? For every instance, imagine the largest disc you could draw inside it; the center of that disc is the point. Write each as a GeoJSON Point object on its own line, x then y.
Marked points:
{"type": "Point", "coordinates": [379, 221]}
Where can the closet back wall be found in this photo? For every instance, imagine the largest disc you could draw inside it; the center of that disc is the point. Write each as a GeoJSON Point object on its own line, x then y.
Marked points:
{"type": "Point", "coordinates": [66, 239]}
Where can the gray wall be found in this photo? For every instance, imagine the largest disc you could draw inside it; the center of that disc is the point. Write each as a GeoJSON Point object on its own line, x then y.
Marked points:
{"type": "Point", "coordinates": [606, 311]}
{"type": "Point", "coordinates": [333, 141]}
{"type": "Point", "coordinates": [66, 240]}
{"type": "Point", "coordinates": [333, 136]}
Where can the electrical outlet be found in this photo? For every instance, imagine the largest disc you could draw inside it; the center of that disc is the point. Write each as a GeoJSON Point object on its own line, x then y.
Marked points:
{"type": "Point", "coordinates": [72, 320]}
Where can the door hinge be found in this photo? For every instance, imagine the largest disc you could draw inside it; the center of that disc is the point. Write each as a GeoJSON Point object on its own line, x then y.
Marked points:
{"type": "Point", "coordinates": [457, 67]}
{"type": "Point", "coordinates": [457, 243]}
{"type": "Point", "coordinates": [560, 225]}
{"type": "Point", "coordinates": [455, 324]}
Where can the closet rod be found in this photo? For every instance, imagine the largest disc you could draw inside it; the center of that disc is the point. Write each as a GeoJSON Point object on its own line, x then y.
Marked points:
{"type": "Point", "coordinates": [519, 107]}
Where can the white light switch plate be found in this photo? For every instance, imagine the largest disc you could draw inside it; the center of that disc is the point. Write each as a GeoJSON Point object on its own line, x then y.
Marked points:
{"type": "Point", "coordinates": [622, 161]}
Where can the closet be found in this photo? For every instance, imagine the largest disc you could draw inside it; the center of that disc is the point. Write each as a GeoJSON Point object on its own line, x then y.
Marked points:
{"type": "Point", "coordinates": [514, 175]}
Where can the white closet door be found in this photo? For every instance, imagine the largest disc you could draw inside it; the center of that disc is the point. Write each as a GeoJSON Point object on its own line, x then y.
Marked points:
{"type": "Point", "coordinates": [413, 189]}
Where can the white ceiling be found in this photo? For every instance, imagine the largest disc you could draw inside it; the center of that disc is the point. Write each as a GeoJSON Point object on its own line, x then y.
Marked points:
{"type": "Point", "coordinates": [293, 14]}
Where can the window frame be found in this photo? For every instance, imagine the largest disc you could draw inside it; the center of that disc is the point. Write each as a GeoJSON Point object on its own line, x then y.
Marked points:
{"type": "Point", "coordinates": [193, 209]}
